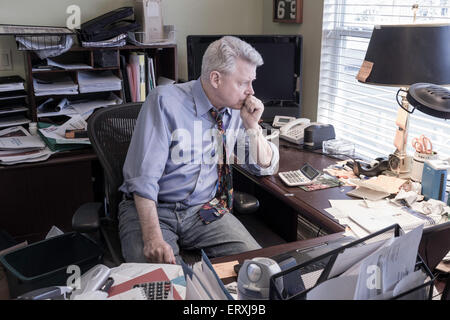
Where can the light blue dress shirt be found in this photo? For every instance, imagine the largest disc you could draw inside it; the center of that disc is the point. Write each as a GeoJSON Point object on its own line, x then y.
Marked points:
{"type": "Point", "coordinates": [172, 157]}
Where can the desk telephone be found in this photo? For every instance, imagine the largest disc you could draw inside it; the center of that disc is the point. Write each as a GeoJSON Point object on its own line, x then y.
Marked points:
{"type": "Point", "coordinates": [291, 129]}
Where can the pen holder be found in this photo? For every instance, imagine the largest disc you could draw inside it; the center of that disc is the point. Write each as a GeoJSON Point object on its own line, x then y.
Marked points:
{"type": "Point", "coordinates": [417, 164]}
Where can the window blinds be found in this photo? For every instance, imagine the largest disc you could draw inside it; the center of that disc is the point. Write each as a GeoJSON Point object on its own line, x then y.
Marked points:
{"type": "Point", "coordinates": [361, 113]}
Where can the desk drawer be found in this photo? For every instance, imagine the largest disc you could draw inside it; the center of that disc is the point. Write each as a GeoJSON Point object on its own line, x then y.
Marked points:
{"type": "Point", "coordinates": [307, 230]}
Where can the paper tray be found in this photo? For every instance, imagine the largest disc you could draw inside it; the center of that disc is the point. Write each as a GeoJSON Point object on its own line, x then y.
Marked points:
{"type": "Point", "coordinates": [294, 276]}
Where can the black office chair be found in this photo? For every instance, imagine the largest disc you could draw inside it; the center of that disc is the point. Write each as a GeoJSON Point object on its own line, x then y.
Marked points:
{"type": "Point", "coordinates": [110, 130]}
{"type": "Point", "coordinates": [433, 247]}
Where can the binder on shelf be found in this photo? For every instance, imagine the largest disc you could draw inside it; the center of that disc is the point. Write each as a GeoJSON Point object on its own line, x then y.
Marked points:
{"type": "Point", "coordinates": [148, 74]}
{"type": "Point", "coordinates": [134, 66]}
{"type": "Point", "coordinates": [152, 70]}
{"type": "Point", "coordinates": [142, 90]}
{"type": "Point", "coordinates": [126, 81]}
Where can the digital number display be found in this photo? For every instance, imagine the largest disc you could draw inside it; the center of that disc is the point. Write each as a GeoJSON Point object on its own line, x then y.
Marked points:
{"type": "Point", "coordinates": [284, 120]}
{"type": "Point", "coordinates": [309, 172]}
{"type": "Point", "coordinates": [290, 11]}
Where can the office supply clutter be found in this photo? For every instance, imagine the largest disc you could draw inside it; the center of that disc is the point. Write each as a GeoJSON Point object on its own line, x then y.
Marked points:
{"type": "Point", "coordinates": [13, 104]}
{"type": "Point", "coordinates": [422, 145]}
{"type": "Point", "coordinates": [316, 133]}
{"type": "Point", "coordinates": [108, 25]}
{"type": "Point", "coordinates": [17, 145]}
{"type": "Point", "coordinates": [434, 179]}
{"type": "Point", "coordinates": [254, 278]}
{"type": "Point", "coordinates": [293, 131]}
{"type": "Point", "coordinates": [383, 265]}
{"type": "Point", "coordinates": [304, 176]}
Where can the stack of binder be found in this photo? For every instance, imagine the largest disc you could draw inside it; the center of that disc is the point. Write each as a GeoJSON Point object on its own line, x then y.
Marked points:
{"type": "Point", "coordinates": [45, 85]}
{"type": "Point", "coordinates": [90, 81]}
{"type": "Point", "coordinates": [139, 76]}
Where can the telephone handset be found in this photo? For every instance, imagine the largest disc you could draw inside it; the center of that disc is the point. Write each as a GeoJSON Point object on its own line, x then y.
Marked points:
{"type": "Point", "coordinates": [293, 131]}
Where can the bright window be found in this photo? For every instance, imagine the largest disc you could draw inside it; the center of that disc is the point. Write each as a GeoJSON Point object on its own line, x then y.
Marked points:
{"type": "Point", "coordinates": [365, 114]}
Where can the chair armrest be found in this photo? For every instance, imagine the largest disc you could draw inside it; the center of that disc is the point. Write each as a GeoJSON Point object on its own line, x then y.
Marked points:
{"type": "Point", "coordinates": [86, 218]}
{"type": "Point", "coordinates": [244, 203]}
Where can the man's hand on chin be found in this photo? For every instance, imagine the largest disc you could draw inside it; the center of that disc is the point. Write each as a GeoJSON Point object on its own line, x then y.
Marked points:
{"type": "Point", "coordinates": [251, 112]}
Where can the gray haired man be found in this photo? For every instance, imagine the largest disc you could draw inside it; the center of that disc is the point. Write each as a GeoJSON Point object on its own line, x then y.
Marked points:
{"type": "Point", "coordinates": [171, 203]}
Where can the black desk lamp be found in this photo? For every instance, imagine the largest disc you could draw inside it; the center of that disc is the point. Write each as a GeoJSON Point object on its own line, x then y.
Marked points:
{"type": "Point", "coordinates": [403, 55]}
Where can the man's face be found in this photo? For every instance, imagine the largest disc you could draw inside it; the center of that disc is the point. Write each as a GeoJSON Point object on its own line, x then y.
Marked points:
{"type": "Point", "coordinates": [236, 86]}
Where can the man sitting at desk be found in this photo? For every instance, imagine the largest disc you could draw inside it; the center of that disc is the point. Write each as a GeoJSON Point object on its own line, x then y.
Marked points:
{"type": "Point", "coordinates": [176, 196]}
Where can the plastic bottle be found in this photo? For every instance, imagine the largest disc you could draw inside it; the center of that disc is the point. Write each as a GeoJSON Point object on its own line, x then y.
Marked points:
{"type": "Point", "coordinates": [32, 127]}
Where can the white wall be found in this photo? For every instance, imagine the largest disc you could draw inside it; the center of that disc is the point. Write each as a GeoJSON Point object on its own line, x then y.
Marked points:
{"type": "Point", "coordinates": [188, 16]}
{"type": "Point", "coordinates": [311, 30]}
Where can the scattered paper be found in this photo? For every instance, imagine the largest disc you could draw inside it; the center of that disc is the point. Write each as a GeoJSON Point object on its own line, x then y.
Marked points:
{"type": "Point", "coordinates": [340, 288]}
{"type": "Point", "coordinates": [381, 271]}
{"type": "Point", "coordinates": [381, 183]}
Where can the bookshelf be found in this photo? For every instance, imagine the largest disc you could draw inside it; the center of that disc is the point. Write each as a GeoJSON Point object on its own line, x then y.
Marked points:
{"type": "Point", "coordinates": [164, 59]}
{"type": "Point", "coordinates": [39, 195]}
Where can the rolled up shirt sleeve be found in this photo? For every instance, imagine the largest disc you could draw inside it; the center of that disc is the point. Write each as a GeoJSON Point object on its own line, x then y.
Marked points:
{"type": "Point", "coordinates": [148, 151]}
{"type": "Point", "coordinates": [250, 163]}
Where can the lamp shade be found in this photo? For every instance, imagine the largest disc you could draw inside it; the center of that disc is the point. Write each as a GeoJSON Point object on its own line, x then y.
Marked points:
{"type": "Point", "coordinates": [401, 55]}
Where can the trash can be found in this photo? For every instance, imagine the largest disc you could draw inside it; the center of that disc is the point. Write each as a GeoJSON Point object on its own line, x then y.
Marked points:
{"type": "Point", "coordinates": [43, 264]}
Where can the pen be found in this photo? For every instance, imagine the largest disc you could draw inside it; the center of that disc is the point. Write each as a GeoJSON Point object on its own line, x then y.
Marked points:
{"type": "Point", "coordinates": [108, 284]}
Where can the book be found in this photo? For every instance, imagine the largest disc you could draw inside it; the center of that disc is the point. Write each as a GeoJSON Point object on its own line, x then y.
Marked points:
{"type": "Point", "coordinates": [153, 72]}
{"type": "Point", "coordinates": [126, 81]}
{"type": "Point", "coordinates": [155, 275]}
{"type": "Point", "coordinates": [142, 90]}
{"type": "Point", "coordinates": [134, 63]}
{"type": "Point", "coordinates": [148, 73]}
{"type": "Point", "coordinates": [130, 74]}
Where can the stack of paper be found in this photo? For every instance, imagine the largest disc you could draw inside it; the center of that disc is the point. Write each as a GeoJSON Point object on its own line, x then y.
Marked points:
{"type": "Point", "coordinates": [365, 217]}
{"type": "Point", "coordinates": [12, 101]}
{"type": "Point", "coordinates": [56, 85]}
{"type": "Point", "coordinates": [57, 133]}
{"type": "Point", "coordinates": [17, 146]}
{"type": "Point", "coordinates": [203, 283]}
{"type": "Point", "coordinates": [117, 41]}
{"type": "Point", "coordinates": [380, 270]}
{"type": "Point", "coordinates": [67, 66]}
{"type": "Point", "coordinates": [11, 83]}
{"type": "Point", "coordinates": [98, 81]}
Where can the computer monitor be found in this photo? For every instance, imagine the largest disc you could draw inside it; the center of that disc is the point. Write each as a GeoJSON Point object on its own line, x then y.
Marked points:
{"type": "Point", "coordinates": [278, 80]}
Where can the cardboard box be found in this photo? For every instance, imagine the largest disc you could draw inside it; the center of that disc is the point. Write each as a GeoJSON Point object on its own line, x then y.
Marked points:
{"type": "Point", "coordinates": [148, 13]}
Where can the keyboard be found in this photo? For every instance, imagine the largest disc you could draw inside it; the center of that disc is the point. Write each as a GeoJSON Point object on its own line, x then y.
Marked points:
{"type": "Point", "coordinates": [157, 290]}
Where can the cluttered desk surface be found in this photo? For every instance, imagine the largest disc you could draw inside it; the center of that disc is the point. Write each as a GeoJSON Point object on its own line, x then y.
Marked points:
{"type": "Point", "coordinates": [328, 204]}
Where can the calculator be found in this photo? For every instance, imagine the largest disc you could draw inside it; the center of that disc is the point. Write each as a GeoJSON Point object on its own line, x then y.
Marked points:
{"type": "Point", "coordinates": [304, 176]}
{"type": "Point", "coordinates": [157, 290]}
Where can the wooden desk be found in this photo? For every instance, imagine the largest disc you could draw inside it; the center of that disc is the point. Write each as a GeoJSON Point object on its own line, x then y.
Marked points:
{"type": "Point", "coordinates": [281, 211]}
{"type": "Point", "coordinates": [36, 196]}
{"type": "Point", "coordinates": [274, 250]}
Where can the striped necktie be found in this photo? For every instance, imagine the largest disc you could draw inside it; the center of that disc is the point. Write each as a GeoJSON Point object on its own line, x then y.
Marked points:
{"type": "Point", "coordinates": [223, 200]}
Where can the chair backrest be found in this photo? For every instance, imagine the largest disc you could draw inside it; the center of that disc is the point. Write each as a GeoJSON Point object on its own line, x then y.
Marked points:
{"type": "Point", "coordinates": [110, 130]}
{"type": "Point", "coordinates": [435, 244]}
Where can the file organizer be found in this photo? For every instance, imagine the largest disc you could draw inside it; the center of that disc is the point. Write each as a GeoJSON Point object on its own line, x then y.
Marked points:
{"type": "Point", "coordinates": [300, 279]}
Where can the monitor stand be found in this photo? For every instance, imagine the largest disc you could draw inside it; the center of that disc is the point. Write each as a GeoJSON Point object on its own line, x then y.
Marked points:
{"type": "Point", "coordinates": [281, 108]}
